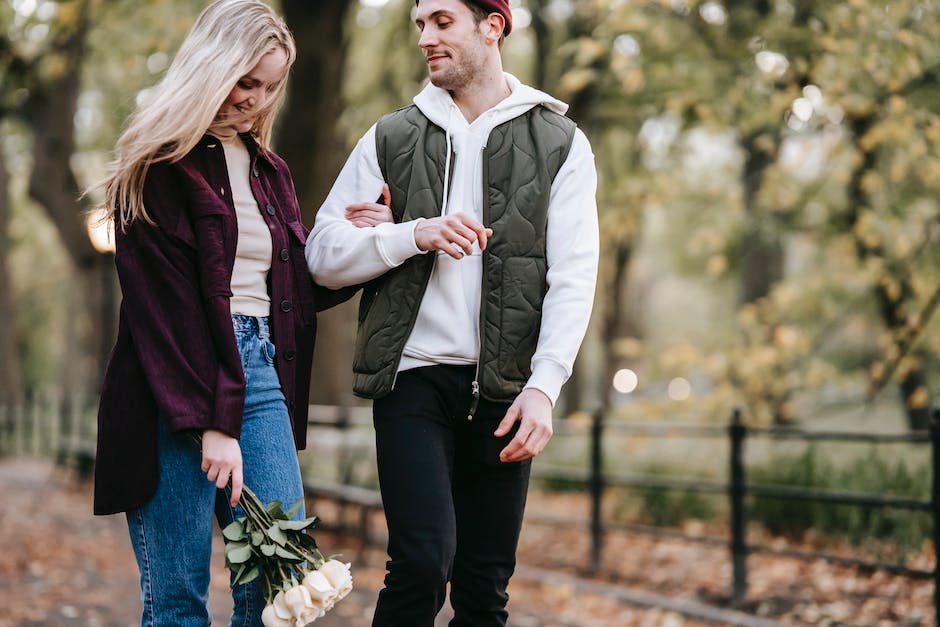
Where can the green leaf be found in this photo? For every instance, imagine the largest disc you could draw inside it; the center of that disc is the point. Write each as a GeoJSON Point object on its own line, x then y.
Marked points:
{"type": "Point", "coordinates": [275, 533]}
{"type": "Point", "coordinates": [297, 525]}
{"type": "Point", "coordinates": [294, 508]}
{"type": "Point", "coordinates": [238, 552]}
{"type": "Point", "coordinates": [234, 531]}
{"type": "Point", "coordinates": [248, 577]}
{"type": "Point", "coordinates": [288, 555]}
{"type": "Point", "coordinates": [274, 508]}
{"type": "Point", "coordinates": [268, 549]}
{"type": "Point", "coordinates": [307, 542]}
{"type": "Point", "coordinates": [257, 538]}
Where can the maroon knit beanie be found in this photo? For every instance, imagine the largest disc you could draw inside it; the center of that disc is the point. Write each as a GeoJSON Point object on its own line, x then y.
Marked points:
{"type": "Point", "coordinates": [494, 6]}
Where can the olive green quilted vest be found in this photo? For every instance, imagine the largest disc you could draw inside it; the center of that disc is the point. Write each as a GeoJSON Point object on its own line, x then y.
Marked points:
{"type": "Point", "coordinates": [520, 161]}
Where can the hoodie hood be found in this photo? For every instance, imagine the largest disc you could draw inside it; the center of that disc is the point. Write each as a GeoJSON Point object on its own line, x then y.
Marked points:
{"type": "Point", "coordinates": [437, 105]}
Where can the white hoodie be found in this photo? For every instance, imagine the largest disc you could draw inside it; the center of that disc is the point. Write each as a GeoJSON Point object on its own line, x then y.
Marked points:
{"type": "Point", "coordinates": [447, 328]}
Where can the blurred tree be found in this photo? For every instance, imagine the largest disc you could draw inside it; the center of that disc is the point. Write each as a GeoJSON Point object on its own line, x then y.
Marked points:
{"type": "Point", "coordinates": [354, 63]}
{"type": "Point", "coordinates": [309, 142]}
{"type": "Point", "coordinates": [889, 60]}
{"type": "Point", "coordinates": [42, 61]}
{"type": "Point", "coordinates": [68, 66]}
{"type": "Point", "coordinates": [752, 68]}
{"type": "Point", "coordinates": [580, 73]}
{"type": "Point", "coordinates": [10, 378]}
{"type": "Point", "coordinates": [11, 385]}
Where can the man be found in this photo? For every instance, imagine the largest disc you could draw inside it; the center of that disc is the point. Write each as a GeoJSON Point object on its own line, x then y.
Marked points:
{"type": "Point", "coordinates": [475, 301]}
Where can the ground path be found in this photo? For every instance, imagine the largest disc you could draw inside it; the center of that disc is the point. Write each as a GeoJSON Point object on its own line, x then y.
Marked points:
{"type": "Point", "coordinates": [61, 566]}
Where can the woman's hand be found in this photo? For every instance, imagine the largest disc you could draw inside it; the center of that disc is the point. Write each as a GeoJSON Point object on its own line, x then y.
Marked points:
{"type": "Point", "coordinates": [365, 214]}
{"type": "Point", "coordinates": [222, 461]}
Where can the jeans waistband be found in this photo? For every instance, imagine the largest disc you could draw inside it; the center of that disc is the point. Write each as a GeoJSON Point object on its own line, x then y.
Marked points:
{"type": "Point", "coordinates": [251, 324]}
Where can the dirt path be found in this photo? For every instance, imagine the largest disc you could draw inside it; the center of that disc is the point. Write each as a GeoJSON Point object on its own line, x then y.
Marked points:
{"type": "Point", "coordinates": [61, 566]}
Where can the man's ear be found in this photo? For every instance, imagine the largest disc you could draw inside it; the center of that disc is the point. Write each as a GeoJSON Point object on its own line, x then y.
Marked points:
{"type": "Point", "coordinates": [493, 27]}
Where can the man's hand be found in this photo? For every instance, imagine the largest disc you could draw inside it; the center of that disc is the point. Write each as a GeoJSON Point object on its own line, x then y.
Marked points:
{"type": "Point", "coordinates": [533, 410]}
{"type": "Point", "coordinates": [454, 234]}
{"type": "Point", "coordinates": [222, 461]}
{"type": "Point", "coordinates": [365, 214]}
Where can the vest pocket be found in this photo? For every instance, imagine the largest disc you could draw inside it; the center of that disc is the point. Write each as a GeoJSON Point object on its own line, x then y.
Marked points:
{"type": "Point", "coordinates": [372, 343]}
{"type": "Point", "coordinates": [521, 292]}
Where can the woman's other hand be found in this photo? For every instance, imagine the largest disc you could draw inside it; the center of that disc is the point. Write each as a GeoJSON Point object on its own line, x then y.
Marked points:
{"type": "Point", "coordinates": [222, 461]}
{"type": "Point", "coordinates": [371, 213]}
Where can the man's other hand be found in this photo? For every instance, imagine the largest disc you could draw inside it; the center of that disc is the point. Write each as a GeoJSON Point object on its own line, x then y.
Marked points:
{"type": "Point", "coordinates": [533, 410]}
{"type": "Point", "coordinates": [454, 234]}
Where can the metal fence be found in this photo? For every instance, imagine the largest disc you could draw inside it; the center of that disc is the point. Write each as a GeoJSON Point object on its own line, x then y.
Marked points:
{"type": "Point", "coordinates": [51, 426]}
{"type": "Point", "coordinates": [738, 488]}
{"type": "Point", "coordinates": [595, 477]}
{"type": "Point", "coordinates": [64, 431]}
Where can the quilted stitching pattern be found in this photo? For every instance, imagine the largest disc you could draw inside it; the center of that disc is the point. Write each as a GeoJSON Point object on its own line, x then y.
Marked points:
{"type": "Point", "coordinates": [521, 160]}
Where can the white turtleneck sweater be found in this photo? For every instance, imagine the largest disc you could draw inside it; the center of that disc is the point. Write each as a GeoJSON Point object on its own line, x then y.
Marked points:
{"type": "Point", "coordinates": [254, 248]}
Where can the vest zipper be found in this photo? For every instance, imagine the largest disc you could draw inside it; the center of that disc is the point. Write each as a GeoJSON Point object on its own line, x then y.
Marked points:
{"type": "Point", "coordinates": [475, 400]}
{"type": "Point", "coordinates": [475, 385]}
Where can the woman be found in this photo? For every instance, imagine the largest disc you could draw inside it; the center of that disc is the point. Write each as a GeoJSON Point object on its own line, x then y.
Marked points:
{"type": "Point", "coordinates": [218, 316]}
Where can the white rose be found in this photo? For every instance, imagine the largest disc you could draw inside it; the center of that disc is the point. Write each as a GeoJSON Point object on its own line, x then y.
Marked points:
{"type": "Point", "coordinates": [297, 600]}
{"type": "Point", "coordinates": [337, 573]}
{"type": "Point", "coordinates": [280, 607]}
{"type": "Point", "coordinates": [322, 592]}
{"type": "Point", "coordinates": [309, 616]}
{"type": "Point", "coordinates": [270, 618]}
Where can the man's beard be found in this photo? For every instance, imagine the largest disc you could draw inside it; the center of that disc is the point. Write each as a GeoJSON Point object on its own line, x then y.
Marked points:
{"type": "Point", "coordinates": [463, 70]}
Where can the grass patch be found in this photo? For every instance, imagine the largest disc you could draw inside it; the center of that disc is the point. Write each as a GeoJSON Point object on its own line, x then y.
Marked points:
{"type": "Point", "coordinates": [859, 524]}
{"type": "Point", "coordinates": [664, 507]}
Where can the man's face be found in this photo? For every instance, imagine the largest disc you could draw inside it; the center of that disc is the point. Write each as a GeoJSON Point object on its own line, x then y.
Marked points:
{"type": "Point", "coordinates": [452, 42]}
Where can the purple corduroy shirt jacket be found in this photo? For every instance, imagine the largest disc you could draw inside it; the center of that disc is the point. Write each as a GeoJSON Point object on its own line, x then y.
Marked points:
{"type": "Point", "coordinates": [175, 353]}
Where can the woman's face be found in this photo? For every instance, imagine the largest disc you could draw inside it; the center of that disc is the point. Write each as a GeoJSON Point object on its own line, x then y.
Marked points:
{"type": "Point", "coordinates": [252, 91]}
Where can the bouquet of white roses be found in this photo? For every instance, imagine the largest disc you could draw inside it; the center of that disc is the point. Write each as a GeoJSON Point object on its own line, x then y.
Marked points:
{"type": "Point", "coordinates": [299, 585]}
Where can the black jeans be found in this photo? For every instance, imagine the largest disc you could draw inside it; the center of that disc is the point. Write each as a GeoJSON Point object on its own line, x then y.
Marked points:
{"type": "Point", "coordinates": [454, 510]}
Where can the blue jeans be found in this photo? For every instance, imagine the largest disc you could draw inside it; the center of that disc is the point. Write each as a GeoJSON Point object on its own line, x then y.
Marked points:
{"type": "Point", "coordinates": [172, 533]}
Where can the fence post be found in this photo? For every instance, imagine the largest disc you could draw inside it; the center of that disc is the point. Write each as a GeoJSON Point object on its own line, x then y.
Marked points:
{"type": "Point", "coordinates": [737, 489]}
{"type": "Point", "coordinates": [19, 427]}
{"type": "Point", "coordinates": [6, 428]}
{"type": "Point", "coordinates": [597, 489]}
{"type": "Point", "coordinates": [935, 506]}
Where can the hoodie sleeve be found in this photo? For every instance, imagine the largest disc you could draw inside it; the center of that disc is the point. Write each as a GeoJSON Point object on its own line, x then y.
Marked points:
{"type": "Point", "coordinates": [340, 254]}
{"type": "Point", "coordinates": [572, 244]}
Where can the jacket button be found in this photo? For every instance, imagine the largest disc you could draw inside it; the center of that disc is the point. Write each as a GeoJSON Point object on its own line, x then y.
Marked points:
{"type": "Point", "coordinates": [289, 355]}
{"type": "Point", "coordinates": [285, 254]}
{"type": "Point", "coordinates": [270, 209]}
{"type": "Point", "coordinates": [285, 306]}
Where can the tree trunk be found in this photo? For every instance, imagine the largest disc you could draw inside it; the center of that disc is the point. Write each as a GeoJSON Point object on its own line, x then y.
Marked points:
{"type": "Point", "coordinates": [50, 114]}
{"type": "Point", "coordinates": [616, 321]}
{"type": "Point", "coordinates": [543, 39]}
{"type": "Point", "coordinates": [11, 383]}
{"type": "Point", "coordinates": [611, 274]}
{"type": "Point", "coordinates": [761, 251]}
{"type": "Point", "coordinates": [307, 136]}
{"type": "Point", "coordinates": [915, 393]}
{"type": "Point", "coordinates": [308, 141]}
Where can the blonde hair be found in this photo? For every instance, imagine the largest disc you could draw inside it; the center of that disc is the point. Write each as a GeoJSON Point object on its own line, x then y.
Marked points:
{"type": "Point", "coordinates": [226, 42]}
